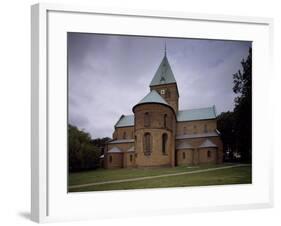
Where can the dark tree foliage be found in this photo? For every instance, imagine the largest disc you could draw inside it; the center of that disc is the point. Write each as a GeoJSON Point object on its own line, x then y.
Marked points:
{"type": "Point", "coordinates": [226, 126]}
{"type": "Point", "coordinates": [82, 154]}
{"type": "Point", "coordinates": [243, 108]}
{"type": "Point", "coordinates": [100, 143]}
{"type": "Point", "coordinates": [236, 126]}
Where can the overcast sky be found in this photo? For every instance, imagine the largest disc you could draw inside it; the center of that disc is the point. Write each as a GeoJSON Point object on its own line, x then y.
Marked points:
{"type": "Point", "coordinates": [109, 74]}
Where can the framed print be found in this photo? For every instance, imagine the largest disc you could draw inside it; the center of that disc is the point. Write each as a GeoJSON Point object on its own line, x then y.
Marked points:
{"type": "Point", "coordinates": [144, 112]}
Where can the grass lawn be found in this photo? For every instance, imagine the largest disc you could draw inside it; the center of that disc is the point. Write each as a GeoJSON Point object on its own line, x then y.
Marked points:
{"type": "Point", "coordinates": [237, 175]}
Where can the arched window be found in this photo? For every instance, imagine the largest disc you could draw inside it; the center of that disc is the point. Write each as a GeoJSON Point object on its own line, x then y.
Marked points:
{"type": "Point", "coordinates": [184, 130]}
{"type": "Point", "coordinates": [110, 158]}
{"type": "Point", "coordinates": [124, 135]}
{"type": "Point", "coordinates": [165, 121]}
{"type": "Point", "coordinates": [164, 143]}
{"type": "Point", "coordinates": [183, 155]}
{"type": "Point", "coordinates": [147, 144]}
{"type": "Point", "coordinates": [209, 154]}
{"type": "Point", "coordinates": [205, 128]}
{"type": "Point", "coordinates": [131, 158]}
{"type": "Point", "coordinates": [146, 119]}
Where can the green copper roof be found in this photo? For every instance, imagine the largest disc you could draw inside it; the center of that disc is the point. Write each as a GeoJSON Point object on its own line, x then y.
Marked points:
{"type": "Point", "coordinates": [196, 114]}
{"type": "Point", "coordinates": [153, 97]}
{"type": "Point", "coordinates": [182, 116]}
{"type": "Point", "coordinates": [164, 74]}
{"type": "Point", "coordinates": [125, 120]}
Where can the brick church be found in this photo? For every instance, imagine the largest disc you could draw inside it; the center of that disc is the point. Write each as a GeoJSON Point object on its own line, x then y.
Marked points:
{"type": "Point", "coordinates": [159, 134]}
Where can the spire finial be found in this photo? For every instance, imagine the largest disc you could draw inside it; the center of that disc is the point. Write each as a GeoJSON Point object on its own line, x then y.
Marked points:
{"type": "Point", "coordinates": [165, 49]}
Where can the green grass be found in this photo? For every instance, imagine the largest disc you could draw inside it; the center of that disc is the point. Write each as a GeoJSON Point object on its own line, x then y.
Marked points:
{"type": "Point", "coordinates": [237, 175]}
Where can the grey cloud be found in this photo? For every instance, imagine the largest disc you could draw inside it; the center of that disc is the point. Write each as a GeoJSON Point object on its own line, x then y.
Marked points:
{"type": "Point", "coordinates": [108, 75]}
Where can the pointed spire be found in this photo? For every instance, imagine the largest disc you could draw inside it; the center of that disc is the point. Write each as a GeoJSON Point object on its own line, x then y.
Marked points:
{"type": "Point", "coordinates": [164, 73]}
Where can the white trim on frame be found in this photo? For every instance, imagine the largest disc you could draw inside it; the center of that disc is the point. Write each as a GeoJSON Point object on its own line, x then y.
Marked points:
{"type": "Point", "coordinates": [46, 194]}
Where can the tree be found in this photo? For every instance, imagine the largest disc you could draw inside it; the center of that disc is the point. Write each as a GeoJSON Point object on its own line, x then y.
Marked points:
{"type": "Point", "coordinates": [236, 126]}
{"type": "Point", "coordinates": [100, 143]}
{"type": "Point", "coordinates": [82, 154]}
{"type": "Point", "coordinates": [243, 108]}
{"type": "Point", "coordinates": [226, 126]}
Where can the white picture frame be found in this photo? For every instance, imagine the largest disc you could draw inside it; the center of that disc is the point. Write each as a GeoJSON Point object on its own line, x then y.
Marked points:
{"type": "Point", "coordinates": [50, 201]}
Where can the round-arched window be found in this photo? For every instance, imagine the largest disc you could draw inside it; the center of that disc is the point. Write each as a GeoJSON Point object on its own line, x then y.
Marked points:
{"type": "Point", "coordinates": [164, 143]}
{"type": "Point", "coordinates": [147, 144]}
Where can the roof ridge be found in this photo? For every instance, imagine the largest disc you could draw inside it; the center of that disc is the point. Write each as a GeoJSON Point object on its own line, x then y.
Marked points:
{"type": "Point", "coordinates": [199, 108]}
{"type": "Point", "coordinates": [119, 120]}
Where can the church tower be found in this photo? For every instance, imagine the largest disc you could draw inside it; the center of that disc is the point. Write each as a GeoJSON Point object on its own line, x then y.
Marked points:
{"type": "Point", "coordinates": [165, 84]}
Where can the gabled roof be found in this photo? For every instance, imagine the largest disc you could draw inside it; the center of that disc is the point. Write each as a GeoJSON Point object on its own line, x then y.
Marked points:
{"type": "Point", "coordinates": [164, 74]}
{"type": "Point", "coordinates": [125, 120]}
{"type": "Point", "coordinates": [196, 114]}
{"type": "Point", "coordinates": [184, 145]}
{"type": "Point", "coordinates": [153, 97]}
{"type": "Point", "coordinates": [114, 150]}
{"type": "Point", "coordinates": [208, 144]}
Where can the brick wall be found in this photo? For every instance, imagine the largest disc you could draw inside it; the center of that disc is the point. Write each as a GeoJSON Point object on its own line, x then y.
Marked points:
{"type": "Point", "coordinates": [184, 157]}
{"type": "Point", "coordinates": [170, 95]}
{"type": "Point", "coordinates": [199, 154]}
{"type": "Point", "coordinates": [207, 155]}
{"type": "Point", "coordinates": [124, 133]}
{"type": "Point", "coordinates": [114, 160]}
{"type": "Point", "coordinates": [129, 159]}
{"type": "Point", "coordinates": [156, 129]}
{"type": "Point", "coordinates": [196, 127]}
